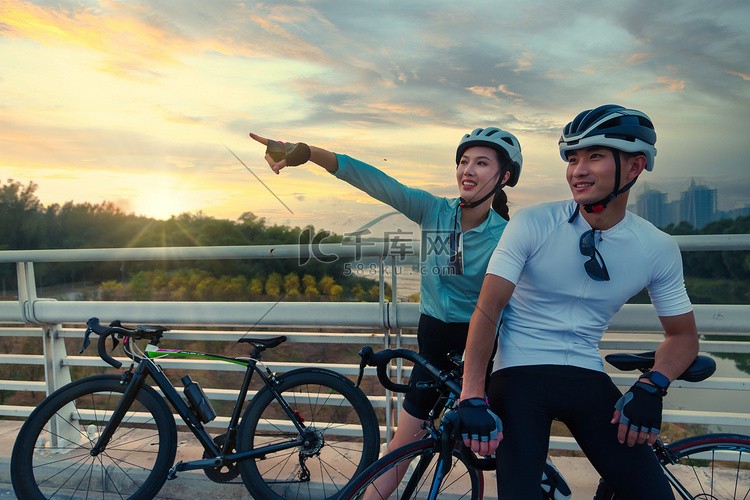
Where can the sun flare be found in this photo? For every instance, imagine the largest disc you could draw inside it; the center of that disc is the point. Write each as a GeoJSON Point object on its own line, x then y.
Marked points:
{"type": "Point", "coordinates": [159, 204]}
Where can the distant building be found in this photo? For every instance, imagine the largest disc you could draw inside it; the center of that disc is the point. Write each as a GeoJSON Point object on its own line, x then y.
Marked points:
{"type": "Point", "coordinates": [738, 212]}
{"type": "Point", "coordinates": [698, 204]}
{"type": "Point", "coordinates": [652, 205]}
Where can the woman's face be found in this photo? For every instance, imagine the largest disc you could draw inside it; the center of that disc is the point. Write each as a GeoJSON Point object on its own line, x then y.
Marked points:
{"type": "Point", "coordinates": [477, 172]}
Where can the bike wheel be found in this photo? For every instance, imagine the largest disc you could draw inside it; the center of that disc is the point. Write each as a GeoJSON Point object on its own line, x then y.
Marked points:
{"type": "Point", "coordinates": [709, 467]}
{"type": "Point", "coordinates": [52, 458]}
{"type": "Point", "coordinates": [421, 459]}
{"type": "Point", "coordinates": [713, 466]}
{"type": "Point", "coordinates": [340, 439]}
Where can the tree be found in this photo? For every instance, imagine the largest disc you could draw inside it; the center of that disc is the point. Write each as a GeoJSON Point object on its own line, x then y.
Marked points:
{"type": "Point", "coordinates": [326, 284]}
{"type": "Point", "coordinates": [291, 285]}
{"type": "Point", "coordinates": [337, 292]}
{"type": "Point", "coordinates": [112, 290]}
{"type": "Point", "coordinates": [206, 289]}
{"type": "Point", "coordinates": [308, 281]}
{"type": "Point", "coordinates": [273, 285]}
{"type": "Point", "coordinates": [374, 293]}
{"type": "Point", "coordinates": [236, 288]}
{"type": "Point", "coordinates": [19, 215]}
{"type": "Point", "coordinates": [256, 286]}
{"type": "Point", "coordinates": [358, 292]}
{"type": "Point", "coordinates": [312, 293]}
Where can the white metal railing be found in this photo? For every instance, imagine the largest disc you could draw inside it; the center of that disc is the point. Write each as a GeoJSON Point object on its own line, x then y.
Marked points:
{"type": "Point", "coordinates": [634, 328]}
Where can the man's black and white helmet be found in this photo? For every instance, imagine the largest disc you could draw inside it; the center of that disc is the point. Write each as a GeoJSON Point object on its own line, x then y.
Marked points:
{"type": "Point", "coordinates": [611, 126]}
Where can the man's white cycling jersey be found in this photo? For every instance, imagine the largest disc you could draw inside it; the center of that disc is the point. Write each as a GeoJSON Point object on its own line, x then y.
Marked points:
{"type": "Point", "coordinates": [557, 313]}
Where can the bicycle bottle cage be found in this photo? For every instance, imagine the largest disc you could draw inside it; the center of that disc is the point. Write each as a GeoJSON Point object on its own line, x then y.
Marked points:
{"type": "Point", "coordinates": [701, 368]}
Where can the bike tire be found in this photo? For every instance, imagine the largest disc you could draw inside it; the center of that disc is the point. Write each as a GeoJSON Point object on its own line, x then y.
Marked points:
{"type": "Point", "coordinates": [461, 481]}
{"type": "Point", "coordinates": [710, 467]}
{"type": "Point", "coordinates": [51, 457]}
{"type": "Point", "coordinates": [714, 466]}
{"type": "Point", "coordinates": [342, 437]}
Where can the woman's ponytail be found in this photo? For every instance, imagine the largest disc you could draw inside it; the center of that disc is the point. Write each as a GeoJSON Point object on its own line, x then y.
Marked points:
{"type": "Point", "coordinates": [500, 204]}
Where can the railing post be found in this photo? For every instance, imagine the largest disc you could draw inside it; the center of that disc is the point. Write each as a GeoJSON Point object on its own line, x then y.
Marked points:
{"type": "Point", "coordinates": [56, 373]}
{"type": "Point", "coordinates": [387, 341]}
{"type": "Point", "coordinates": [393, 324]}
{"type": "Point", "coordinates": [26, 289]}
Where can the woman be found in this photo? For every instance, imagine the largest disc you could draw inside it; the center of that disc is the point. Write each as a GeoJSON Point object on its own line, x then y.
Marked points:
{"type": "Point", "coordinates": [461, 234]}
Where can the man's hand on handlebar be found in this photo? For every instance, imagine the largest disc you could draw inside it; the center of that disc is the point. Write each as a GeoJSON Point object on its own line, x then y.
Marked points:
{"type": "Point", "coordinates": [481, 429]}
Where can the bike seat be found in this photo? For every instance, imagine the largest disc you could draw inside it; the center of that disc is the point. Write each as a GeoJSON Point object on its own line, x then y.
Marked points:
{"type": "Point", "coordinates": [153, 329]}
{"type": "Point", "coordinates": [702, 368]}
{"type": "Point", "coordinates": [265, 343]}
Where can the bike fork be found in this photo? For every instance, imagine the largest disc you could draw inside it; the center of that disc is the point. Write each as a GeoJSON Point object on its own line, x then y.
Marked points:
{"type": "Point", "coordinates": [134, 385]}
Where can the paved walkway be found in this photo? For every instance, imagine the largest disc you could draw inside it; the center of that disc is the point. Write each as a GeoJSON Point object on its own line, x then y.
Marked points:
{"type": "Point", "coordinates": [577, 471]}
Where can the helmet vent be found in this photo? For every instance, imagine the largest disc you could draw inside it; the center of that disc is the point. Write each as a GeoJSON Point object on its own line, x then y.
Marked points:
{"type": "Point", "coordinates": [643, 121]}
{"type": "Point", "coordinates": [622, 137]}
{"type": "Point", "coordinates": [614, 122]}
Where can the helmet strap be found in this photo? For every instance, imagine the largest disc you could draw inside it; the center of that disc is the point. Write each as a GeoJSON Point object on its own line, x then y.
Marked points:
{"type": "Point", "coordinates": [599, 206]}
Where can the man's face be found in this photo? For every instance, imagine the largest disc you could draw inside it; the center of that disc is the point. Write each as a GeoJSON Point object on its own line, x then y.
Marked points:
{"type": "Point", "coordinates": [591, 174]}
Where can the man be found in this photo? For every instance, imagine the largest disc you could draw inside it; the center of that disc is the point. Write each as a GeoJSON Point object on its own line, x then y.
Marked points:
{"type": "Point", "coordinates": [559, 274]}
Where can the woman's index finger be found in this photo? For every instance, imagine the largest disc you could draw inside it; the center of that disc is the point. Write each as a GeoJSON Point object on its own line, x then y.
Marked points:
{"type": "Point", "coordinates": [260, 139]}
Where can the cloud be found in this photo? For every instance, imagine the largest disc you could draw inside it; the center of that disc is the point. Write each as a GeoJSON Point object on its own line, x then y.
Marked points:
{"type": "Point", "coordinates": [744, 76]}
{"type": "Point", "coordinates": [704, 45]}
{"type": "Point", "coordinates": [151, 85]}
{"type": "Point", "coordinates": [494, 92]}
{"type": "Point", "coordinates": [177, 117]}
{"type": "Point", "coordinates": [662, 84]}
{"type": "Point", "coordinates": [126, 45]}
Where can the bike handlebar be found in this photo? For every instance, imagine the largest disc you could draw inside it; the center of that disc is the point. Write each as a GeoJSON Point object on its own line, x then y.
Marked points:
{"type": "Point", "coordinates": [451, 436]}
{"type": "Point", "coordinates": [115, 330]}
{"type": "Point", "coordinates": [381, 359]}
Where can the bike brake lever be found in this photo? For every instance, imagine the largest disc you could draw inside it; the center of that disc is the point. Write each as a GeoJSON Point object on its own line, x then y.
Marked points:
{"type": "Point", "coordinates": [86, 341]}
{"type": "Point", "coordinates": [364, 355]}
{"type": "Point", "coordinates": [362, 365]}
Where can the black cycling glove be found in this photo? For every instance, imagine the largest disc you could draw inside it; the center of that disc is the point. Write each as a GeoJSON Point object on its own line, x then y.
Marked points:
{"type": "Point", "coordinates": [294, 153]}
{"type": "Point", "coordinates": [477, 420]}
{"type": "Point", "coordinates": [640, 408]}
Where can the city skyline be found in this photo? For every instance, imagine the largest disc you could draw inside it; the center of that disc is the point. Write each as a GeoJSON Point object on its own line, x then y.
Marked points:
{"type": "Point", "coordinates": [698, 205]}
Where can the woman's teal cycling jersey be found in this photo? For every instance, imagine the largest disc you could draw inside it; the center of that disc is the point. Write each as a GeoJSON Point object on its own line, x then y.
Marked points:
{"type": "Point", "coordinates": [445, 295]}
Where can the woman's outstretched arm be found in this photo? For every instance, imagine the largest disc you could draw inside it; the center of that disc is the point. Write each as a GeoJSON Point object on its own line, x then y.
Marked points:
{"type": "Point", "coordinates": [319, 156]}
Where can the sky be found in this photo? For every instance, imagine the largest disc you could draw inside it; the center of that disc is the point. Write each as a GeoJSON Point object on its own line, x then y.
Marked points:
{"type": "Point", "coordinates": [143, 103]}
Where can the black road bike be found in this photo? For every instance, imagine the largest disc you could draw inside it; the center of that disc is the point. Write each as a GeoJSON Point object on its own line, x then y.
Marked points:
{"type": "Point", "coordinates": [304, 435]}
{"type": "Point", "coordinates": [704, 467]}
{"type": "Point", "coordinates": [438, 466]}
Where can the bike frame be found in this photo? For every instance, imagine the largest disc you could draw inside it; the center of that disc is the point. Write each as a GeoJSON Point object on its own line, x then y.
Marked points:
{"type": "Point", "coordinates": [665, 457]}
{"type": "Point", "coordinates": [441, 468]}
{"type": "Point", "coordinates": [146, 367]}
{"type": "Point", "coordinates": [444, 453]}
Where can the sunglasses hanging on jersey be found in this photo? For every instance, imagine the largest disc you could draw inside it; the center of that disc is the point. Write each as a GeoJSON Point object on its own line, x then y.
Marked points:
{"type": "Point", "coordinates": [595, 266]}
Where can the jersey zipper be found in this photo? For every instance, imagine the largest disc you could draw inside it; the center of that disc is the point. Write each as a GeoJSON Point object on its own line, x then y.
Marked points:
{"type": "Point", "coordinates": [571, 319]}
